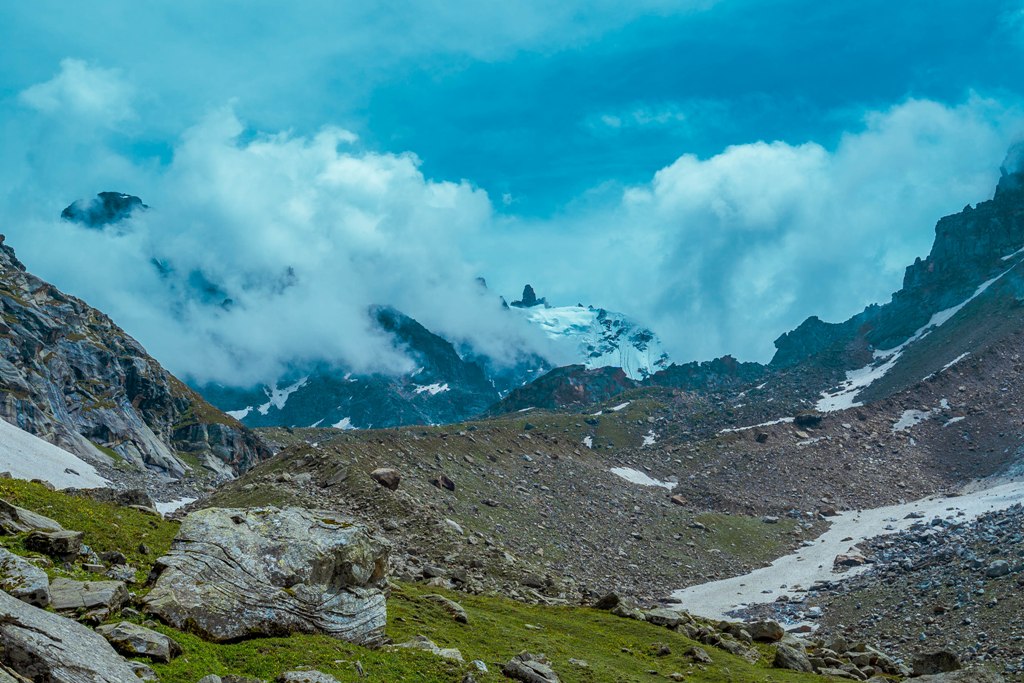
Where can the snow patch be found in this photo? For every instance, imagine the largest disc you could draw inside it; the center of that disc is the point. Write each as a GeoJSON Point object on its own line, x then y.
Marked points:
{"type": "Point", "coordinates": [954, 420]}
{"type": "Point", "coordinates": [911, 418]}
{"type": "Point", "coordinates": [343, 423]}
{"type": "Point", "coordinates": [638, 477]}
{"type": "Point", "coordinates": [781, 420]}
{"type": "Point", "coordinates": [433, 389]}
{"type": "Point", "coordinates": [649, 439]}
{"type": "Point", "coordinates": [619, 407]}
{"type": "Point", "coordinates": [279, 397]}
{"type": "Point", "coordinates": [845, 396]}
{"type": "Point", "coordinates": [172, 505]}
{"type": "Point", "coordinates": [588, 441]}
{"type": "Point", "coordinates": [316, 424]}
{"type": "Point", "coordinates": [26, 456]}
{"type": "Point", "coordinates": [790, 574]}
{"type": "Point", "coordinates": [240, 414]}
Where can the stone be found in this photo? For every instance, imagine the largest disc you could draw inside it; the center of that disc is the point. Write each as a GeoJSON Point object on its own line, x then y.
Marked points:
{"type": "Point", "coordinates": [59, 544]}
{"type": "Point", "coordinates": [43, 646]}
{"type": "Point", "coordinates": [940, 661]}
{"type": "Point", "coordinates": [663, 617]}
{"type": "Point", "coordinates": [698, 655]}
{"type": "Point", "coordinates": [312, 676]}
{"type": "Point", "coordinates": [997, 569]}
{"type": "Point", "coordinates": [837, 673]}
{"type": "Point", "coordinates": [68, 595]}
{"type": "Point", "coordinates": [23, 580]}
{"type": "Point", "coordinates": [678, 500]}
{"type": "Point", "coordinates": [454, 609]}
{"type": "Point", "coordinates": [442, 481]}
{"type": "Point", "coordinates": [608, 601]}
{"type": "Point", "coordinates": [133, 640]}
{"type": "Point", "coordinates": [423, 643]}
{"type": "Point", "coordinates": [529, 668]}
{"type": "Point", "coordinates": [143, 672]}
{"type": "Point", "coordinates": [235, 573]}
{"type": "Point", "coordinates": [16, 520]}
{"type": "Point", "coordinates": [388, 477]}
{"type": "Point", "coordinates": [787, 657]}
{"type": "Point", "coordinates": [766, 631]}
{"type": "Point", "coordinates": [849, 561]}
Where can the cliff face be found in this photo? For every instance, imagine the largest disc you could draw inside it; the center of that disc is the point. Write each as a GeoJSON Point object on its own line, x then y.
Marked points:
{"type": "Point", "coordinates": [970, 248]}
{"type": "Point", "coordinates": [71, 376]}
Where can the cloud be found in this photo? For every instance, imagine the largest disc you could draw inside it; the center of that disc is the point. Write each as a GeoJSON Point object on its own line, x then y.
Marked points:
{"type": "Point", "coordinates": [80, 90]}
{"type": "Point", "coordinates": [723, 254]}
{"type": "Point", "coordinates": [262, 251]}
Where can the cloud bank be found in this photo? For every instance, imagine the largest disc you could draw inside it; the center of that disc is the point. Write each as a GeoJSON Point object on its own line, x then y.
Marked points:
{"type": "Point", "coordinates": [264, 249]}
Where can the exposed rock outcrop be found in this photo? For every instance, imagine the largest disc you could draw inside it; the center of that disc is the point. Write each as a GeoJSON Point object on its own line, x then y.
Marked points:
{"type": "Point", "coordinates": [49, 648]}
{"type": "Point", "coordinates": [69, 375]}
{"type": "Point", "coordinates": [235, 573]}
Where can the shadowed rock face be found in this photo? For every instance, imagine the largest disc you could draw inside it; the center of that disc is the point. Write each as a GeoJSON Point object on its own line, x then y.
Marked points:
{"type": "Point", "coordinates": [235, 574]}
{"type": "Point", "coordinates": [103, 209]}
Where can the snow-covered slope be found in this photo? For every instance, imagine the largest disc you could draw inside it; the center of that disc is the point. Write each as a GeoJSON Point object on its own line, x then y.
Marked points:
{"type": "Point", "coordinates": [601, 338]}
{"type": "Point", "coordinates": [27, 456]}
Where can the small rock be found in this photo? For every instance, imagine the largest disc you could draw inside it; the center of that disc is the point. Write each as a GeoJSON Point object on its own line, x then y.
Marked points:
{"type": "Point", "coordinates": [454, 609]}
{"type": "Point", "coordinates": [59, 544]}
{"type": "Point", "coordinates": [997, 569]}
{"type": "Point", "coordinates": [306, 677]}
{"type": "Point", "coordinates": [529, 668]}
{"type": "Point", "coordinates": [68, 595]}
{"type": "Point", "coordinates": [388, 477]}
{"type": "Point", "coordinates": [698, 654]}
{"type": "Point", "coordinates": [423, 643]}
{"type": "Point", "coordinates": [133, 640]}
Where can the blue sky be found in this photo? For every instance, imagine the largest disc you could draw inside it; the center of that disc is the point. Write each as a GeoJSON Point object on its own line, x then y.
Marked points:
{"type": "Point", "coordinates": [719, 170]}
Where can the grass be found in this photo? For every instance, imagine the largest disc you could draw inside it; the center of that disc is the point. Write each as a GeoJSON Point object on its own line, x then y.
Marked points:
{"type": "Point", "coordinates": [106, 526]}
{"type": "Point", "coordinates": [616, 650]}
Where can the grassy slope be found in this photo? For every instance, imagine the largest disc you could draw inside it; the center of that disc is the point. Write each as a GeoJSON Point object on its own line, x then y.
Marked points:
{"type": "Point", "coordinates": [616, 649]}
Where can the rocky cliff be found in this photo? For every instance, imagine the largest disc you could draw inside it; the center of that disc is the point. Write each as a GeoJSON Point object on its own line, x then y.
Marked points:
{"type": "Point", "coordinates": [71, 376]}
{"type": "Point", "coordinates": [970, 248]}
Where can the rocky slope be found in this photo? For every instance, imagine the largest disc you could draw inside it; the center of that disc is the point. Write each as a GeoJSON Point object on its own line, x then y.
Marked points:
{"type": "Point", "coordinates": [69, 375]}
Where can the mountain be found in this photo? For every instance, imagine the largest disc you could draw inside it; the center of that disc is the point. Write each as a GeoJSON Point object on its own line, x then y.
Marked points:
{"type": "Point", "coordinates": [596, 337]}
{"type": "Point", "coordinates": [68, 374]}
{"type": "Point", "coordinates": [444, 388]}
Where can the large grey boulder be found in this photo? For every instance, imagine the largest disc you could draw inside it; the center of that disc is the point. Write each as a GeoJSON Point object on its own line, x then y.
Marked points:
{"type": "Point", "coordinates": [23, 580]}
{"type": "Point", "coordinates": [235, 573]}
{"type": "Point", "coordinates": [133, 640]}
{"type": "Point", "coordinates": [791, 658]}
{"type": "Point", "coordinates": [48, 648]}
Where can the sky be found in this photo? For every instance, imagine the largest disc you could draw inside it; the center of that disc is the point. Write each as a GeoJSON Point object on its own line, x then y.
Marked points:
{"type": "Point", "coordinates": [718, 170]}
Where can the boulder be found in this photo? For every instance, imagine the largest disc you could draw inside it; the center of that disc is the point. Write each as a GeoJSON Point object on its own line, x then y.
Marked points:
{"type": "Point", "coordinates": [387, 477]}
{"type": "Point", "coordinates": [143, 672]}
{"type": "Point", "coordinates": [133, 640]}
{"type": "Point", "coordinates": [767, 631]}
{"type": "Point", "coordinates": [997, 569]}
{"type": "Point", "coordinates": [664, 616]}
{"type": "Point", "coordinates": [306, 677]}
{"type": "Point", "coordinates": [427, 645]}
{"type": "Point", "coordinates": [23, 580]}
{"type": "Point", "coordinates": [67, 595]}
{"type": "Point", "coordinates": [61, 544]}
{"type": "Point", "coordinates": [454, 609]}
{"type": "Point", "coordinates": [47, 647]}
{"type": "Point", "coordinates": [940, 661]}
{"type": "Point", "coordinates": [791, 658]}
{"type": "Point", "coordinates": [530, 668]}
{"type": "Point", "coordinates": [234, 573]}
{"type": "Point", "coordinates": [16, 520]}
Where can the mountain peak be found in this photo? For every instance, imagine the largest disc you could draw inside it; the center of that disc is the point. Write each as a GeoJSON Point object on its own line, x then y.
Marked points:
{"type": "Point", "coordinates": [104, 209]}
{"type": "Point", "coordinates": [529, 299]}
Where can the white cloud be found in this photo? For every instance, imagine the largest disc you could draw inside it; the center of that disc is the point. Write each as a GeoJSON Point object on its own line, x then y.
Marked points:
{"type": "Point", "coordinates": [302, 234]}
{"type": "Point", "coordinates": [722, 255]}
{"type": "Point", "coordinates": [80, 90]}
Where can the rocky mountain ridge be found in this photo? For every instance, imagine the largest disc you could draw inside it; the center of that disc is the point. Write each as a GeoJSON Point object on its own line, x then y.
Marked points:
{"type": "Point", "coordinates": [71, 376]}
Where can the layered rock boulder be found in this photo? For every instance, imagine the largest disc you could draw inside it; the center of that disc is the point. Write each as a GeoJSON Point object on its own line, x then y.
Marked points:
{"type": "Point", "coordinates": [234, 573]}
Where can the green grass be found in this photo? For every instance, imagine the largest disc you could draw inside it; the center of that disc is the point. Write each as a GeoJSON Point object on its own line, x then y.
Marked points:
{"type": "Point", "coordinates": [617, 650]}
{"type": "Point", "coordinates": [106, 526]}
